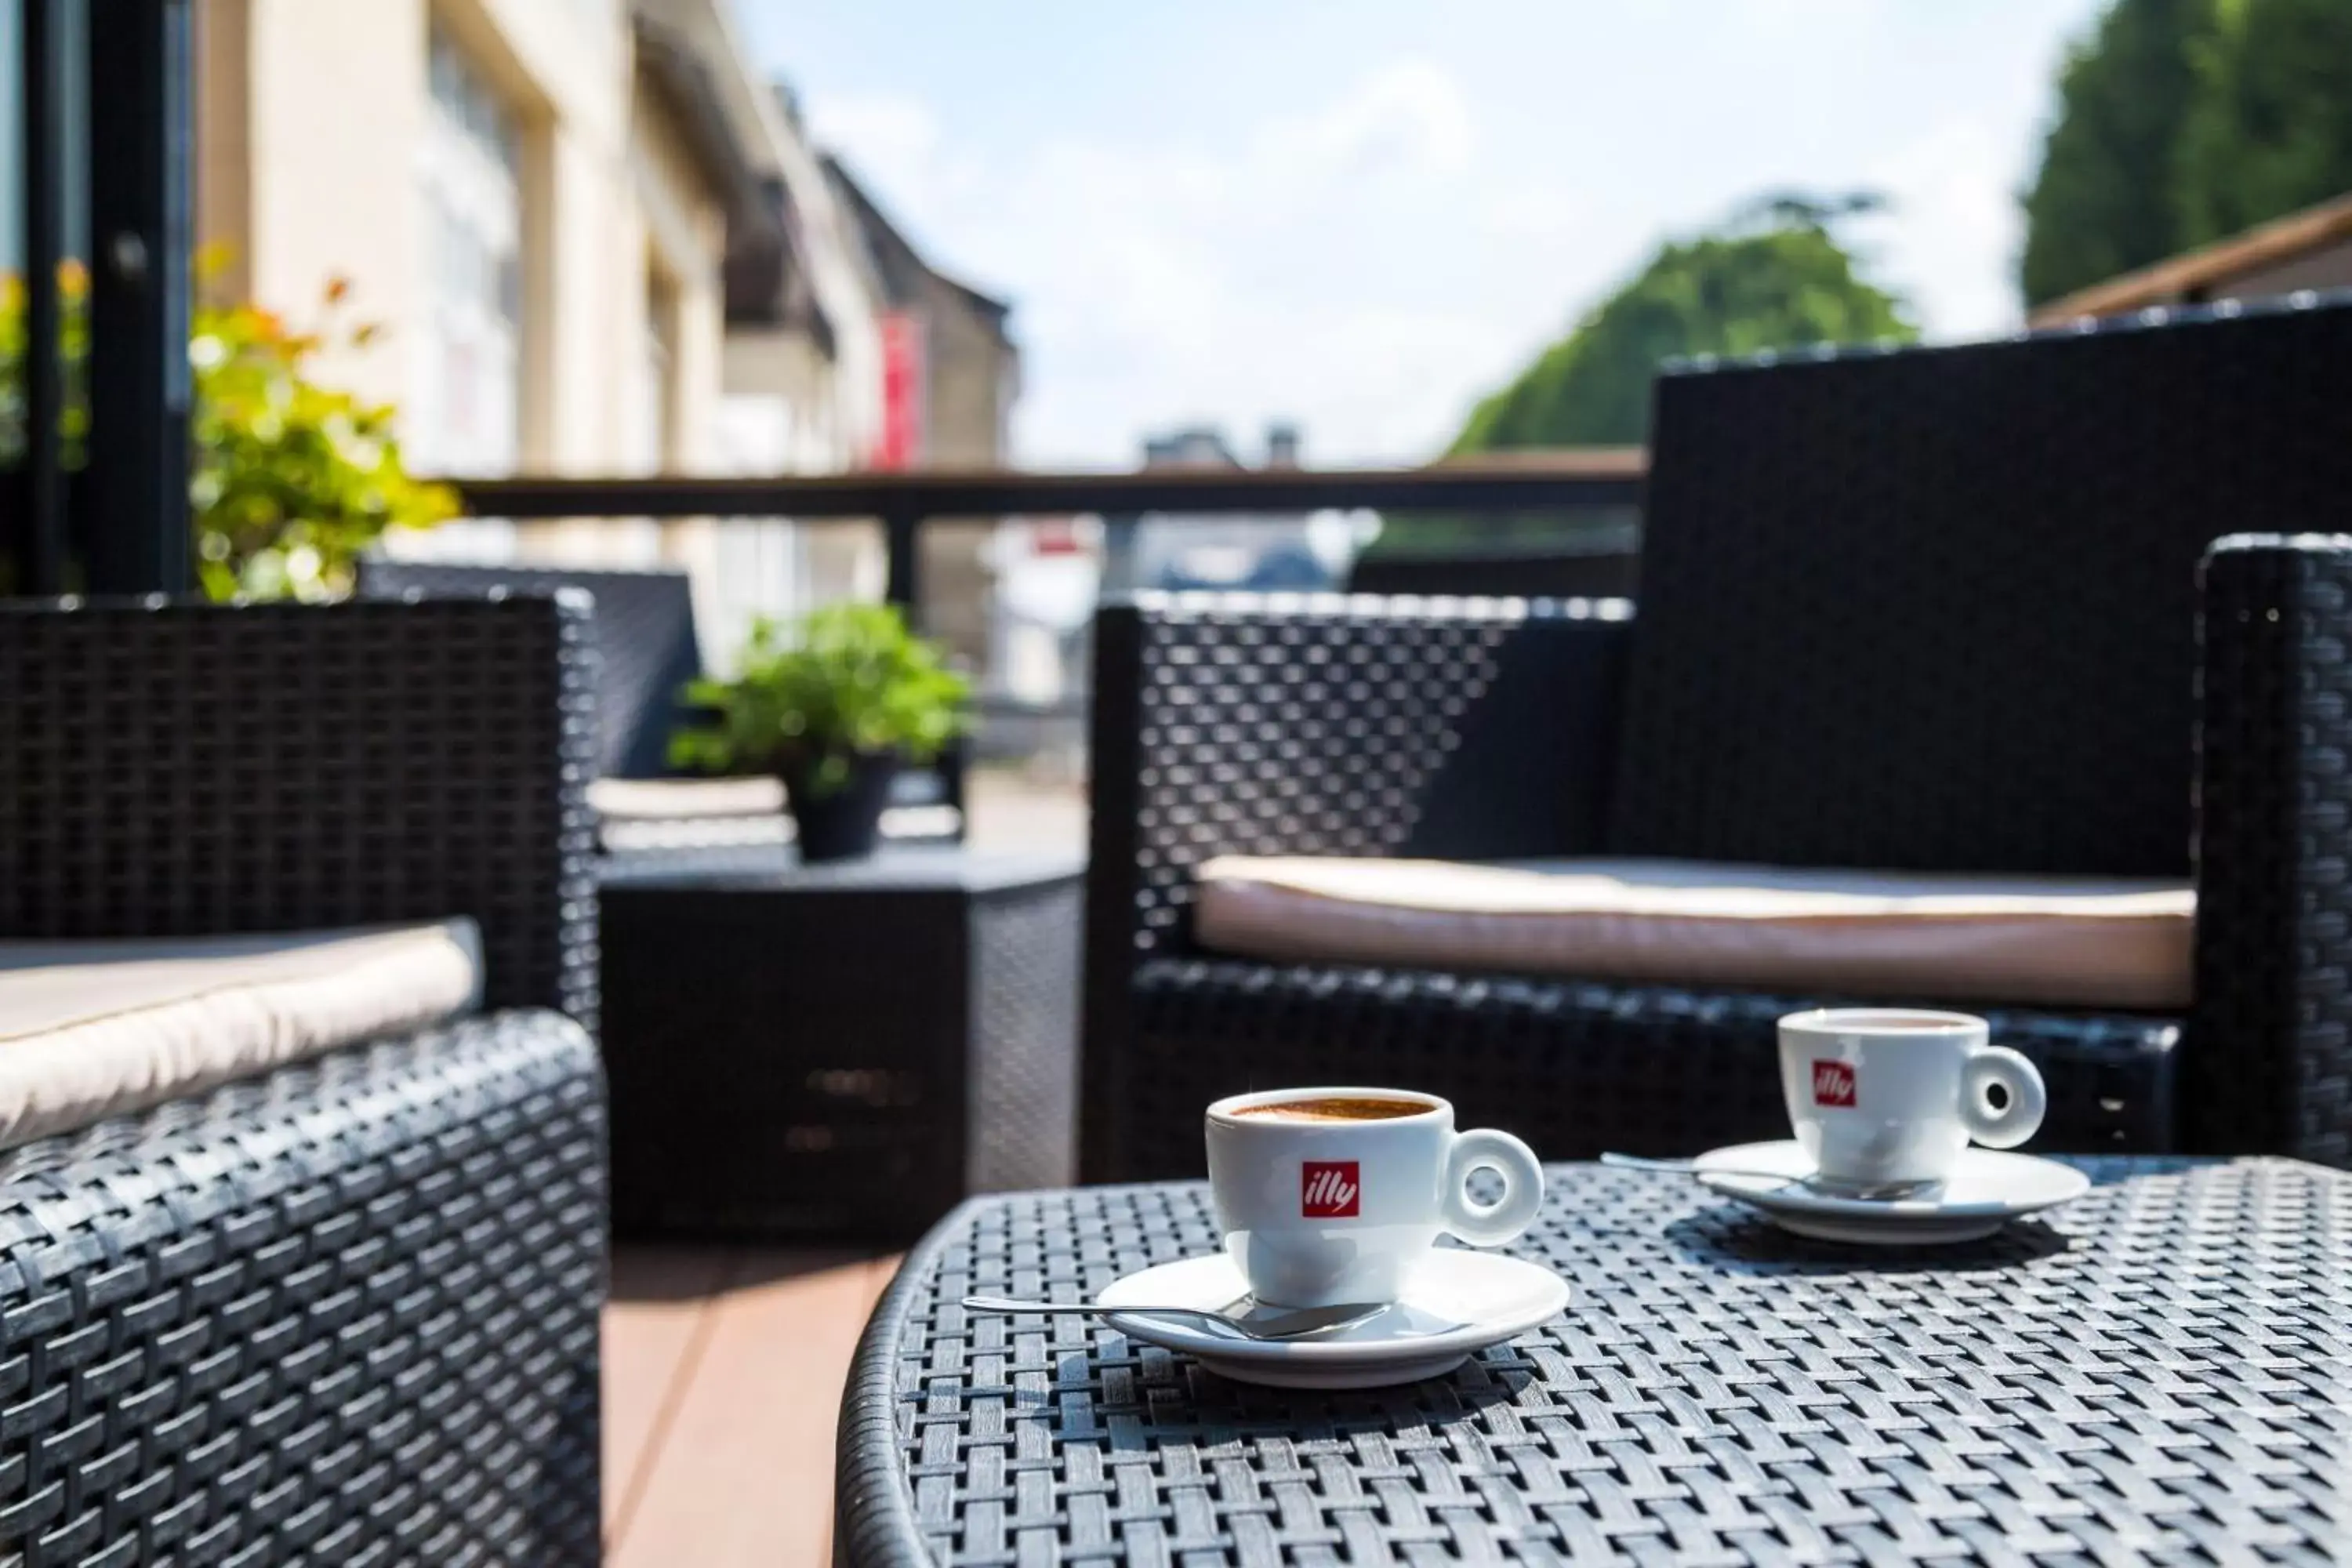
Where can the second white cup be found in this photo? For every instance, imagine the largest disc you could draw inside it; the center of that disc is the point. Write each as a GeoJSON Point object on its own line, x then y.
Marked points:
{"type": "Point", "coordinates": [1893, 1094]}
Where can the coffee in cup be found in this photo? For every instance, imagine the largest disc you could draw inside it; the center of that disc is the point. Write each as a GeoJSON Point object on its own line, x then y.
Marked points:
{"type": "Point", "coordinates": [1880, 1095]}
{"type": "Point", "coordinates": [1336, 1195]}
{"type": "Point", "coordinates": [1324, 1112]}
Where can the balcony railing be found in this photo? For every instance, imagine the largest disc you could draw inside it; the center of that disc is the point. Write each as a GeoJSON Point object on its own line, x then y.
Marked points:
{"type": "Point", "coordinates": [903, 503]}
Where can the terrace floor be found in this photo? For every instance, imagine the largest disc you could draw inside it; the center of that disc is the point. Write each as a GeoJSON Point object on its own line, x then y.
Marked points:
{"type": "Point", "coordinates": [723, 1365]}
{"type": "Point", "coordinates": [723, 1368]}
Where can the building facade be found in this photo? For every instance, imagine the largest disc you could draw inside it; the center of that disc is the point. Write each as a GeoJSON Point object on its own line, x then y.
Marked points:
{"type": "Point", "coordinates": [501, 190]}
{"type": "Point", "coordinates": [595, 241]}
{"type": "Point", "coordinates": [951, 374]}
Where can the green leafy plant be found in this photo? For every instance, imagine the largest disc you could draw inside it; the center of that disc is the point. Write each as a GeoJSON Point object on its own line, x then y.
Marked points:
{"type": "Point", "coordinates": [73, 342]}
{"type": "Point", "coordinates": [292, 479]}
{"type": "Point", "coordinates": [842, 683]}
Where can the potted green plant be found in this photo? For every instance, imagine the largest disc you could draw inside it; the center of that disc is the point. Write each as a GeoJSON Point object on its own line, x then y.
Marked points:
{"type": "Point", "coordinates": [832, 705]}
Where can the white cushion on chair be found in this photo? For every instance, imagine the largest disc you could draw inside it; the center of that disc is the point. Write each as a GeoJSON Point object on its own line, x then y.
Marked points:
{"type": "Point", "coordinates": [2049, 940]}
{"type": "Point", "coordinates": [722, 812]}
{"type": "Point", "coordinates": [683, 800]}
{"type": "Point", "coordinates": [93, 1029]}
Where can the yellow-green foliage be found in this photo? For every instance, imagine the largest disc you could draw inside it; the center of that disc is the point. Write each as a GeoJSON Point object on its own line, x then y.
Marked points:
{"type": "Point", "coordinates": [291, 480]}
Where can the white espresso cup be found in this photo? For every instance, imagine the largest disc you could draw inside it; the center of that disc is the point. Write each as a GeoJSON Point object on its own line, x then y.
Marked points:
{"type": "Point", "coordinates": [1894, 1094]}
{"type": "Point", "coordinates": [1323, 1208]}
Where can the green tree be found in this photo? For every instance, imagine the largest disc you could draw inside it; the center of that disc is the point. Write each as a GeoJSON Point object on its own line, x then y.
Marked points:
{"type": "Point", "coordinates": [2107, 196]}
{"type": "Point", "coordinates": [1775, 278]}
{"type": "Point", "coordinates": [2271, 129]}
{"type": "Point", "coordinates": [1783, 285]}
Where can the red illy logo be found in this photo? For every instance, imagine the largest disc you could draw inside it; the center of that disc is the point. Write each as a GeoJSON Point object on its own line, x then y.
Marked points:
{"type": "Point", "coordinates": [1832, 1083]}
{"type": "Point", "coordinates": [1327, 1189]}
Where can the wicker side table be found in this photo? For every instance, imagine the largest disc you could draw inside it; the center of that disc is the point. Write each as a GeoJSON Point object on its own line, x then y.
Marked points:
{"type": "Point", "coordinates": [845, 1048]}
{"type": "Point", "coordinates": [2162, 1371]}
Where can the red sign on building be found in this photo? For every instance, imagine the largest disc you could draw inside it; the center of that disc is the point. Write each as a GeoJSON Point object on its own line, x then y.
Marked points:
{"type": "Point", "coordinates": [904, 414]}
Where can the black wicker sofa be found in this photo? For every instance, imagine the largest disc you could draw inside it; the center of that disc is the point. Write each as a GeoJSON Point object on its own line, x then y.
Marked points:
{"type": "Point", "coordinates": [347, 1311]}
{"type": "Point", "coordinates": [1932, 609]}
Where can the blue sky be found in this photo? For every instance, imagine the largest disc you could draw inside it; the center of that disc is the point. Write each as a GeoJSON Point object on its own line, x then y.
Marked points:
{"type": "Point", "coordinates": [1363, 215]}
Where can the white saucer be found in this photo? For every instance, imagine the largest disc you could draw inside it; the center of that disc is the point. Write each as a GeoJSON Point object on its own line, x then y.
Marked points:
{"type": "Point", "coordinates": [1490, 1297]}
{"type": "Point", "coordinates": [1987, 1190]}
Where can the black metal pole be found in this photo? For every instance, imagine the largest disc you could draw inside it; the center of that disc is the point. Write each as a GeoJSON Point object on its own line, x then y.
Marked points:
{"type": "Point", "coordinates": [902, 532]}
{"type": "Point", "coordinates": [135, 522]}
{"type": "Point", "coordinates": [39, 547]}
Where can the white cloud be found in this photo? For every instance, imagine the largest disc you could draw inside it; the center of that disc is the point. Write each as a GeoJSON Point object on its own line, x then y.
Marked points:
{"type": "Point", "coordinates": [895, 138]}
{"type": "Point", "coordinates": [1948, 241]}
{"type": "Point", "coordinates": [1346, 265]}
{"type": "Point", "coordinates": [1406, 119]}
{"type": "Point", "coordinates": [1372, 254]}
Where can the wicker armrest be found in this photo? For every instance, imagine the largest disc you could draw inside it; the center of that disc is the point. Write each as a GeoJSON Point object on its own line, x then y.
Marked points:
{"type": "Point", "coordinates": [344, 1313]}
{"type": "Point", "coordinates": [2268, 1061]}
{"type": "Point", "coordinates": [1229, 724]}
{"type": "Point", "coordinates": [184, 769]}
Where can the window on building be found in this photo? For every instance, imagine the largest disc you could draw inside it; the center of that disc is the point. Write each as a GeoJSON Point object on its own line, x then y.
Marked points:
{"type": "Point", "coordinates": [466, 397]}
{"type": "Point", "coordinates": [651, 419]}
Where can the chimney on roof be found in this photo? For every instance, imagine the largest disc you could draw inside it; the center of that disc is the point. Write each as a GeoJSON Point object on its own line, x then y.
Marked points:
{"type": "Point", "coordinates": [788, 101]}
{"type": "Point", "coordinates": [1282, 445]}
{"type": "Point", "coordinates": [1188, 446]}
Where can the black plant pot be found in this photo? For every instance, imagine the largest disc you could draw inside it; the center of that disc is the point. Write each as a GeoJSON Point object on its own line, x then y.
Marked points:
{"type": "Point", "coordinates": [844, 823]}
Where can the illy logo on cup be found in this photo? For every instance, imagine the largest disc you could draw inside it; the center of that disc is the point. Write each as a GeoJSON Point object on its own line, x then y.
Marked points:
{"type": "Point", "coordinates": [1832, 1083]}
{"type": "Point", "coordinates": [1327, 1189]}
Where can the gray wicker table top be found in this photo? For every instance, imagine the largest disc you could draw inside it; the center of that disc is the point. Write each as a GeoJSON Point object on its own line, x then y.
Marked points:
{"type": "Point", "coordinates": [2160, 1372]}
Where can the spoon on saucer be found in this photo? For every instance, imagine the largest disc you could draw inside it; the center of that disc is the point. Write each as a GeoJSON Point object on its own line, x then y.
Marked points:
{"type": "Point", "coordinates": [1861, 1192]}
{"type": "Point", "coordinates": [1261, 1323]}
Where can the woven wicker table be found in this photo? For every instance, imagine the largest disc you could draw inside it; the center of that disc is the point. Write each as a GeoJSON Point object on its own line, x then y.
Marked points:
{"type": "Point", "coordinates": [2161, 1371]}
{"type": "Point", "coordinates": [851, 1047]}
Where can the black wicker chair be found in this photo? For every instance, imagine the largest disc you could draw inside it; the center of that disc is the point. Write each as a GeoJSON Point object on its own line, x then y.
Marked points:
{"type": "Point", "coordinates": [1968, 574]}
{"type": "Point", "coordinates": [346, 1312]}
{"type": "Point", "coordinates": [647, 650]}
{"type": "Point", "coordinates": [1599, 568]}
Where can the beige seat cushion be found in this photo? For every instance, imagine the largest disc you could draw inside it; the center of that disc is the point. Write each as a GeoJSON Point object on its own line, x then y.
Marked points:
{"type": "Point", "coordinates": [727, 813]}
{"type": "Point", "coordinates": [2059, 942]}
{"type": "Point", "coordinates": [93, 1029]}
{"type": "Point", "coordinates": [682, 800]}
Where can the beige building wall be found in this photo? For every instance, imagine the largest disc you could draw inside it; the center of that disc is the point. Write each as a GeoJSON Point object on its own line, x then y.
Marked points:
{"type": "Point", "coordinates": [294, 188]}
{"type": "Point", "coordinates": [312, 116]}
{"type": "Point", "coordinates": [973, 378]}
{"type": "Point", "coordinates": [679, 299]}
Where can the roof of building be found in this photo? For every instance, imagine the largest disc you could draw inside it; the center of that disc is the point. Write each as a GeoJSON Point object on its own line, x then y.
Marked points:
{"type": "Point", "coordinates": [1190, 446]}
{"type": "Point", "coordinates": [2188, 277]}
{"type": "Point", "coordinates": [691, 57]}
{"type": "Point", "coordinates": [682, 78]}
{"type": "Point", "coordinates": [900, 269]}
